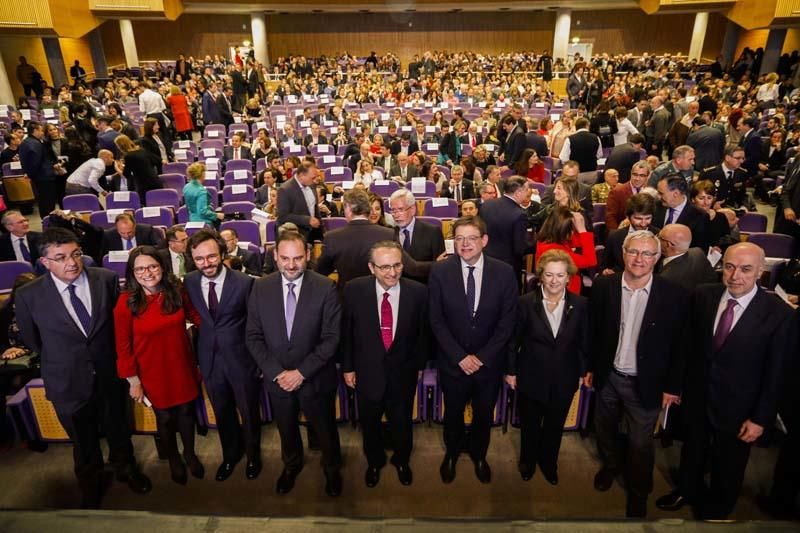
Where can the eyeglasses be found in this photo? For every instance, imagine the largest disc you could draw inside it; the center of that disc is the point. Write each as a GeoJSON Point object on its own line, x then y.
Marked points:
{"type": "Point", "coordinates": [644, 253]}
{"type": "Point", "coordinates": [395, 210]}
{"type": "Point", "coordinates": [471, 239]}
{"type": "Point", "coordinates": [149, 268]}
{"type": "Point", "coordinates": [213, 258]}
{"type": "Point", "coordinates": [386, 268]}
{"type": "Point", "coordinates": [61, 259]}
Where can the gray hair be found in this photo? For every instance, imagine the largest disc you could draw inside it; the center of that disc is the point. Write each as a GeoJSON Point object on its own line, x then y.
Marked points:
{"type": "Point", "coordinates": [8, 214]}
{"type": "Point", "coordinates": [642, 234]}
{"type": "Point", "coordinates": [405, 194]}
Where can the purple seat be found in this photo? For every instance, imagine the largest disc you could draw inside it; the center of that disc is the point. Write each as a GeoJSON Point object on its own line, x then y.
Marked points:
{"type": "Point", "coordinates": [774, 244]}
{"type": "Point", "coordinates": [384, 190]}
{"type": "Point", "coordinates": [82, 202]}
{"type": "Point", "coordinates": [753, 223]}
{"type": "Point", "coordinates": [338, 174]}
{"type": "Point", "coordinates": [13, 169]}
{"type": "Point", "coordinates": [238, 164]}
{"type": "Point", "coordinates": [155, 216]}
{"type": "Point", "coordinates": [101, 219]}
{"type": "Point", "coordinates": [175, 168]}
{"type": "Point", "coordinates": [183, 215]}
{"type": "Point", "coordinates": [238, 177]}
{"type": "Point", "coordinates": [551, 163]}
{"type": "Point", "coordinates": [214, 131]}
{"type": "Point", "coordinates": [507, 173]}
{"type": "Point", "coordinates": [240, 128]}
{"type": "Point", "coordinates": [9, 270]}
{"type": "Point", "coordinates": [245, 208]}
{"type": "Point", "coordinates": [332, 223]}
{"type": "Point", "coordinates": [431, 220]}
{"type": "Point", "coordinates": [261, 165]}
{"type": "Point", "coordinates": [271, 230]}
{"type": "Point", "coordinates": [430, 190]}
{"type": "Point", "coordinates": [329, 161]}
{"type": "Point", "coordinates": [446, 211]}
{"type": "Point", "coordinates": [210, 152]}
{"type": "Point", "coordinates": [184, 145]}
{"type": "Point", "coordinates": [192, 230]}
{"type": "Point", "coordinates": [248, 230]}
{"type": "Point", "coordinates": [163, 198]}
{"type": "Point", "coordinates": [341, 150]}
{"type": "Point", "coordinates": [213, 193]}
{"type": "Point", "coordinates": [183, 156]}
{"type": "Point", "coordinates": [238, 193]}
{"type": "Point", "coordinates": [539, 187]}
{"type": "Point", "coordinates": [598, 211]}
{"type": "Point", "coordinates": [320, 150]}
{"type": "Point", "coordinates": [175, 182]}
{"type": "Point", "coordinates": [123, 200]}
{"type": "Point", "coordinates": [430, 149]}
{"type": "Point", "coordinates": [117, 266]}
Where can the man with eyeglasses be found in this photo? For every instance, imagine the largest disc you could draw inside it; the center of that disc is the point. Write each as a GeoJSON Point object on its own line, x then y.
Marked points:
{"type": "Point", "coordinates": [728, 177]}
{"type": "Point", "coordinates": [636, 364]}
{"type": "Point", "coordinates": [473, 307]}
{"type": "Point", "coordinates": [20, 243]}
{"type": "Point", "coordinates": [174, 254]}
{"type": "Point", "coordinates": [618, 196]}
{"type": "Point", "coordinates": [382, 359]}
{"type": "Point", "coordinates": [421, 240]}
{"type": "Point", "coordinates": [127, 234]}
{"type": "Point", "coordinates": [67, 317]}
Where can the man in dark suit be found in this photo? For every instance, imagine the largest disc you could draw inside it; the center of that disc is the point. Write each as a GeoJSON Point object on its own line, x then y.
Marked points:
{"type": "Point", "coordinates": [751, 142]}
{"type": "Point", "coordinates": [384, 349]}
{"type": "Point", "coordinates": [472, 137]}
{"type": "Point", "coordinates": [534, 140]}
{"type": "Point", "coordinates": [38, 162]}
{"type": "Point", "coordinates": [639, 211]}
{"type": "Point", "coordinates": [347, 249]}
{"type": "Point", "coordinates": [619, 195]}
{"type": "Point", "coordinates": [507, 225]}
{"type": "Point", "coordinates": [315, 137]}
{"type": "Point", "coordinates": [236, 150]}
{"type": "Point", "coordinates": [708, 144]}
{"type": "Point", "coordinates": [67, 317]}
{"type": "Point", "coordinates": [675, 208]}
{"type": "Point", "coordinates": [786, 215]}
{"type": "Point", "coordinates": [576, 87]}
{"type": "Point", "coordinates": [473, 306]}
{"type": "Point", "coordinates": [459, 188]}
{"type": "Point", "coordinates": [252, 79]}
{"type": "Point", "coordinates": [230, 375]}
{"type": "Point", "coordinates": [224, 107]}
{"type": "Point", "coordinates": [174, 255]}
{"type": "Point", "coordinates": [127, 234]}
{"type": "Point", "coordinates": [637, 115]}
{"type": "Point", "coordinates": [515, 141]}
{"type": "Point", "coordinates": [741, 339]}
{"type": "Point", "coordinates": [423, 241]}
{"type": "Point", "coordinates": [728, 177]}
{"type": "Point", "coordinates": [402, 170]}
{"type": "Point", "coordinates": [680, 264]}
{"type": "Point", "coordinates": [294, 345]}
{"type": "Point", "coordinates": [657, 127]}
{"type": "Point", "coordinates": [707, 103]}
{"type": "Point", "coordinates": [624, 156]}
{"type": "Point", "coordinates": [239, 87]}
{"type": "Point", "coordinates": [297, 202]}
{"type": "Point", "coordinates": [636, 366]}
{"type": "Point", "coordinates": [404, 145]}
{"type": "Point", "coordinates": [250, 261]}
{"type": "Point", "coordinates": [20, 243]}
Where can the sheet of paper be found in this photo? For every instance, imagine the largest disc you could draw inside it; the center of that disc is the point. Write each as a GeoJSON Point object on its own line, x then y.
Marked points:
{"type": "Point", "coordinates": [449, 246]}
{"type": "Point", "coordinates": [151, 212]}
{"type": "Point", "coordinates": [118, 256]}
{"type": "Point", "coordinates": [346, 185]}
{"type": "Point", "coordinates": [213, 134]}
{"type": "Point", "coordinates": [323, 148]}
{"type": "Point", "coordinates": [195, 225]}
{"type": "Point", "coordinates": [337, 171]}
{"type": "Point", "coordinates": [239, 189]}
{"type": "Point", "coordinates": [328, 159]}
{"type": "Point", "coordinates": [122, 196]}
{"type": "Point", "coordinates": [440, 202]}
{"type": "Point", "coordinates": [212, 163]}
{"type": "Point", "coordinates": [418, 185]}
{"type": "Point", "coordinates": [714, 256]}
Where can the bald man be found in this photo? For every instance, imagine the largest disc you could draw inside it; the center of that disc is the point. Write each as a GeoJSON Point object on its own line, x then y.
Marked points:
{"type": "Point", "coordinates": [86, 179]}
{"type": "Point", "coordinates": [688, 267]}
{"type": "Point", "coordinates": [741, 337]}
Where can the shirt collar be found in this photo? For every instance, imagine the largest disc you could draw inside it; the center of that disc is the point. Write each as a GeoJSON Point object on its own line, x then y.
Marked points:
{"type": "Point", "coordinates": [410, 226]}
{"type": "Point", "coordinates": [646, 288]}
{"type": "Point", "coordinates": [393, 291]}
{"type": "Point", "coordinates": [478, 264]}
{"type": "Point", "coordinates": [297, 282]}
{"type": "Point", "coordinates": [219, 279]}
{"type": "Point", "coordinates": [745, 300]}
{"type": "Point", "coordinates": [82, 281]}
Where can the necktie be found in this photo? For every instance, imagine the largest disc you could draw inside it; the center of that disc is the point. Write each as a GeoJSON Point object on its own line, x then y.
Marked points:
{"type": "Point", "coordinates": [26, 254]}
{"type": "Point", "coordinates": [670, 215]}
{"type": "Point", "coordinates": [730, 176]}
{"type": "Point", "coordinates": [724, 326]}
{"type": "Point", "coordinates": [80, 309]}
{"type": "Point", "coordinates": [458, 192]}
{"type": "Point", "coordinates": [386, 321]}
{"type": "Point", "coordinates": [472, 141]}
{"type": "Point", "coordinates": [406, 241]}
{"type": "Point", "coordinates": [471, 291]}
{"type": "Point", "coordinates": [212, 300]}
{"type": "Point", "coordinates": [128, 244]}
{"type": "Point", "coordinates": [181, 266]}
{"type": "Point", "coordinates": [291, 306]}
{"type": "Point", "coordinates": [236, 153]}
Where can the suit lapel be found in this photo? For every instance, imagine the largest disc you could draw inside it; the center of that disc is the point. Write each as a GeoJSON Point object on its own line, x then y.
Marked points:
{"type": "Point", "coordinates": [650, 312]}
{"type": "Point", "coordinates": [538, 308]}
{"type": "Point", "coordinates": [196, 288]}
{"type": "Point", "coordinates": [58, 303]}
{"type": "Point", "coordinates": [227, 290]}
{"type": "Point", "coordinates": [565, 313]}
{"type": "Point", "coordinates": [98, 297]}
{"type": "Point", "coordinates": [749, 321]}
{"type": "Point", "coordinates": [303, 300]}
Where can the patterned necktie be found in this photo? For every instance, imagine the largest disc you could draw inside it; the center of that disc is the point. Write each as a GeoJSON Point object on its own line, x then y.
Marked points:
{"type": "Point", "coordinates": [471, 291]}
{"type": "Point", "coordinates": [80, 309]}
{"type": "Point", "coordinates": [212, 300]}
{"type": "Point", "coordinates": [458, 193]}
{"type": "Point", "coordinates": [128, 244]}
{"type": "Point", "coordinates": [386, 321]}
{"type": "Point", "coordinates": [725, 324]}
{"type": "Point", "coordinates": [406, 241]}
{"type": "Point", "coordinates": [291, 306]}
{"type": "Point", "coordinates": [181, 266]}
{"type": "Point", "coordinates": [26, 254]}
{"type": "Point", "coordinates": [670, 215]}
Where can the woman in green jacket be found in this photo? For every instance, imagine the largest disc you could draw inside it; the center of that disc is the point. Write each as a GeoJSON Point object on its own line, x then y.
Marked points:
{"type": "Point", "coordinates": [198, 199]}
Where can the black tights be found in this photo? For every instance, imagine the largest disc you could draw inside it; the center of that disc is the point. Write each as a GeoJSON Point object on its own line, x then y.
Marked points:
{"type": "Point", "coordinates": [181, 419]}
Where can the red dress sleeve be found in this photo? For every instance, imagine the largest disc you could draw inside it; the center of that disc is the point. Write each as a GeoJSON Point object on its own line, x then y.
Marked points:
{"type": "Point", "coordinates": [123, 333]}
{"type": "Point", "coordinates": [191, 313]}
{"type": "Point", "coordinates": [587, 258]}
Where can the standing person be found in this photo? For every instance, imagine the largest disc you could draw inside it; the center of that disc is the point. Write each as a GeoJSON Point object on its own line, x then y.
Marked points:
{"type": "Point", "coordinates": [382, 358]}
{"type": "Point", "coordinates": [297, 202]}
{"type": "Point", "coordinates": [507, 225]}
{"type": "Point", "coordinates": [636, 364]}
{"type": "Point", "coordinates": [67, 317]}
{"type": "Point", "coordinates": [549, 356]}
{"type": "Point", "coordinates": [39, 163]}
{"type": "Point", "coordinates": [786, 216]}
{"type": "Point", "coordinates": [545, 64]}
{"type": "Point", "coordinates": [182, 118]}
{"type": "Point", "coordinates": [197, 198]}
{"type": "Point", "coordinates": [154, 355]}
{"type": "Point", "coordinates": [295, 352]}
{"type": "Point", "coordinates": [741, 338]}
{"type": "Point", "coordinates": [566, 230]}
{"type": "Point", "coordinates": [140, 167]}
{"type": "Point", "coordinates": [473, 322]}
{"type": "Point", "coordinates": [220, 295]}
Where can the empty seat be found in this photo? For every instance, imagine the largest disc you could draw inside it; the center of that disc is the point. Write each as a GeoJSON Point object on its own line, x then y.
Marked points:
{"type": "Point", "coordinates": [9, 270]}
{"type": "Point", "coordinates": [332, 223]}
{"type": "Point", "coordinates": [239, 164]}
{"type": "Point", "coordinates": [163, 198]}
{"type": "Point", "coordinates": [238, 193]}
{"type": "Point", "coordinates": [753, 222]}
{"type": "Point", "coordinates": [82, 202]}
{"type": "Point", "coordinates": [441, 209]}
{"type": "Point", "coordinates": [155, 216]}
{"type": "Point", "coordinates": [774, 244]}
{"type": "Point", "coordinates": [247, 230]}
{"type": "Point", "coordinates": [245, 209]}
{"type": "Point", "coordinates": [123, 200]}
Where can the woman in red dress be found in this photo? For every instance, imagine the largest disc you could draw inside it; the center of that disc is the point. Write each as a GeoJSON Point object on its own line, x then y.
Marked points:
{"type": "Point", "coordinates": [180, 113]}
{"type": "Point", "coordinates": [530, 166]}
{"type": "Point", "coordinates": [154, 355]}
{"type": "Point", "coordinates": [566, 230]}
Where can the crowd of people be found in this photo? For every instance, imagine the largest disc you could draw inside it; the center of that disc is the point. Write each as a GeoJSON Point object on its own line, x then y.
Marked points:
{"type": "Point", "coordinates": [673, 155]}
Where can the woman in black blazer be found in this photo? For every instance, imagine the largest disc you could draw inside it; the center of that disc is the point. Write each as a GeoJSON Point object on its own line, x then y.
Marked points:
{"type": "Point", "coordinates": [153, 142]}
{"type": "Point", "coordinates": [549, 356]}
{"type": "Point", "coordinates": [140, 167]}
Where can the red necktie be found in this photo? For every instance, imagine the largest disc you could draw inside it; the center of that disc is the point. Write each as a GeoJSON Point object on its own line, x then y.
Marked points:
{"type": "Point", "coordinates": [472, 140]}
{"type": "Point", "coordinates": [386, 321]}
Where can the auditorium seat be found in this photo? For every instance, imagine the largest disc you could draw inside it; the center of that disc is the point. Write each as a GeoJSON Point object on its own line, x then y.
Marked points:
{"type": "Point", "coordinates": [81, 203]}
{"type": "Point", "coordinates": [123, 200]}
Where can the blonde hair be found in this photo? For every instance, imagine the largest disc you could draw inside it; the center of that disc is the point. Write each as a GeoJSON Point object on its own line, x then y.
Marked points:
{"type": "Point", "coordinates": [125, 144]}
{"type": "Point", "coordinates": [174, 90]}
{"type": "Point", "coordinates": [556, 256]}
{"type": "Point", "coordinates": [196, 170]}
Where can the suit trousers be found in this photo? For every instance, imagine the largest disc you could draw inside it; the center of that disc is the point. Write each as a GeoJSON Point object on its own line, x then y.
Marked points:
{"type": "Point", "coordinates": [786, 481]}
{"type": "Point", "coordinates": [481, 390]}
{"type": "Point", "coordinates": [46, 196]}
{"type": "Point", "coordinates": [619, 398]}
{"type": "Point", "coordinates": [397, 404]}
{"type": "Point", "coordinates": [541, 428]}
{"type": "Point", "coordinates": [320, 411]}
{"type": "Point", "coordinates": [728, 455]}
{"type": "Point", "coordinates": [228, 393]}
{"type": "Point", "coordinates": [181, 419]}
{"type": "Point", "coordinates": [106, 411]}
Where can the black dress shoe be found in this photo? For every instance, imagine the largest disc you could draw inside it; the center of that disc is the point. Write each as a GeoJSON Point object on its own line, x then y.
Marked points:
{"type": "Point", "coordinates": [333, 484]}
{"type": "Point", "coordinates": [636, 507]}
{"type": "Point", "coordinates": [138, 482]}
{"type": "Point", "coordinates": [196, 468]}
{"type": "Point", "coordinates": [372, 476]}
{"type": "Point", "coordinates": [448, 469]}
{"type": "Point", "coordinates": [526, 471]}
{"type": "Point", "coordinates": [604, 479]}
{"type": "Point", "coordinates": [178, 471]}
{"type": "Point", "coordinates": [551, 478]}
{"type": "Point", "coordinates": [224, 471]}
{"type": "Point", "coordinates": [404, 474]}
{"type": "Point", "coordinates": [671, 502]}
{"type": "Point", "coordinates": [253, 469]}
{"type": "Point", "coordinates": [286, 481]}
{"type": "Point", "coordinates": [483, 472]}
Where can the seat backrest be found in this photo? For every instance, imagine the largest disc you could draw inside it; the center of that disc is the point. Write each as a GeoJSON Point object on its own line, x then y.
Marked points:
{"type": "Point", "coordinates": [123, 200]}
{"type": "Point", "coordinates": [773, 244]}
{"type": "Point", "coordinates": [82, 202]}
{"type": "Point", "coordinates": [155, 216]}
{"type": "Point", "coordinates": [238, 193]}
{"type": "Point", "coordinates": [247, 230]}
{"type": "Point", "coordinates": [332, 223]}
{"type": "Point", "coordinates": [245, 208]}
{"type": "Point", "coordinates": [239, 164]}
{"type": "Point", "coordinates": [9, 270]}
{"type": "Point", "coordinates": [163, 198]}
{"type": "Point", "coordinates": [450, 210]}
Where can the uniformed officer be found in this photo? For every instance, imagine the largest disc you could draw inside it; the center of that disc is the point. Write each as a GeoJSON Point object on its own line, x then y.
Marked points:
{"type": "Point", "coordinates": [728, 178]}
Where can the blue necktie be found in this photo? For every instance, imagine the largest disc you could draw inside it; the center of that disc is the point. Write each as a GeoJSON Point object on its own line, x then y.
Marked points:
{"type": "Point", "coordinates": [406, 241]}
{"type": "Point", "coordinates": [128, 244]}
{"type": "Point", "coordinates": [671, 214]}
{"type": "Point", "coordinates": [291, 305]}
{"type": "Point", "coordinates": [471, 292]}
{"type": "Point", "coordinates": [80, 309]}
{"type": "Point", "coordinates": [26, 254]}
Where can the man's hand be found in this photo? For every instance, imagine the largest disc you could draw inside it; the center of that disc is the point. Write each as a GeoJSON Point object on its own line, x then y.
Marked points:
{"type": "Point", "coordinates": [442, 256]}
{"type": "Point", "coordinates": [670, 399]}
{"type": "Point", "coordinates": [588, 380]}
{"type": "Point", "coordinates": [512, 382]}
{"type": "Point", "coordinates": [607, 272]}
{"type": "Point", "coordinates": [290, 380]}
{"type": "Point", "coordinates": [137, 393]}
{"type": "Point", "coordinates": [13, 353]}
{"type": "Point", "coordinates": [470, 364]}
{"type": "Point", "coordinates": [350, 379]}
{"type": "Point", "coordinates": [789, 214]}
{"type": "Point", "coordinates": [750, 431]}
{"type": "Point", "coordinates": [314, 222]}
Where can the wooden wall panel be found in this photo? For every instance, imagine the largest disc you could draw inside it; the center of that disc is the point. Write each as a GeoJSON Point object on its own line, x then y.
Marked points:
{"type": "Point", "coordinates": [112, 43]}
{"type": "Point", "coordinates": [73, 49]}
{"type": "Point", "coordinates": [33, 50]}
{"type": "Point", "coordinates": [754, 39]}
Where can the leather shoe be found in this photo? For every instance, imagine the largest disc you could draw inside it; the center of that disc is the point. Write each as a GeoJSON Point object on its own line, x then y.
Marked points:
{"type": "Point", "coordinates": [286, 481]}
{"type": "Point", "coordinates": [636, 507]}
{"type": "Point", "coordinates": [372, 476]}
{"type": "Point", "coordinates": [526, 471]}
{"type": "Point", "coordinates": [224, 471]}
{"type": "Point", "coordinates": [333, 484]}
{"type": "Point", "coordinates": [551, 478]}
{"type": "Point", "coordinates": [671, 502]}
{"type": "Point", "coordinates": [448, 469]}
{"type": "Point", "coordinates": [92, 492]}
{"type": "Point", "coordinates": [404, 474]}
{"type": "Point", "coordinates": [483, 472]}
{"type": "Point", "coordinates": [604, 479]}
{"type": "Point", "coordinates": [137, 481]}
{"type": "Point", "coordinates": [178, 471]}
{"type": "Point", "coordinates": [196, 468]}
{"type": "Point", "coordinates": [253, 469]}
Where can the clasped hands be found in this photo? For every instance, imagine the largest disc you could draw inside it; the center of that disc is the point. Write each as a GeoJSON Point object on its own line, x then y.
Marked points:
{"type": "Point", "coordinates": [470, 364]}
{"type": "Point", "coordinates": [290, 380]}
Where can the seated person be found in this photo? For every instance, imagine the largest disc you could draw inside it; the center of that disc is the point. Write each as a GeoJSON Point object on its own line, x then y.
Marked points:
{"type": "Point", "coordinates": [249, 262]}
{"type": "Point", "coordinates": [600, 190]}
{"type": "Point", "coordinates": [127, 235]}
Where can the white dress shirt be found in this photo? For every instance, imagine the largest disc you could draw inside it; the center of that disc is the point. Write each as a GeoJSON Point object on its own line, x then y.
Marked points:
{"type": "Point", "coordinates": [624, 128]}
{"type": "Point", "coordinates": [555, 316]}
{"type": "Point", "coordinates": [634, 303]}
{"type": "Point", "coordinates": [176, 264]}
{"type": "Point", "coordinates": [17, 250]}
{"type": "Point", "coordinates": [478, 275]}
{"type": "Point", "coordinates": [566, 150]}
{"type": "Point", "coordinates": [311, 198]}
{"type": "Point", "coordinates": [738, 310]}
{"type": "Point", "coordinates": [88, 174]}
{"type": "Point", "coordinates": [394, 301]}
{"type": "Point", "coordinates": [150, 102]}
{"type": "Point", "coordinates": [298, 284]}
{"type": "Point", "coordinates": [219, 280]}
{"type": "Point", "coordinates": [410, 229]}
{"type": "Point", "coordinates": [83, 293]}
